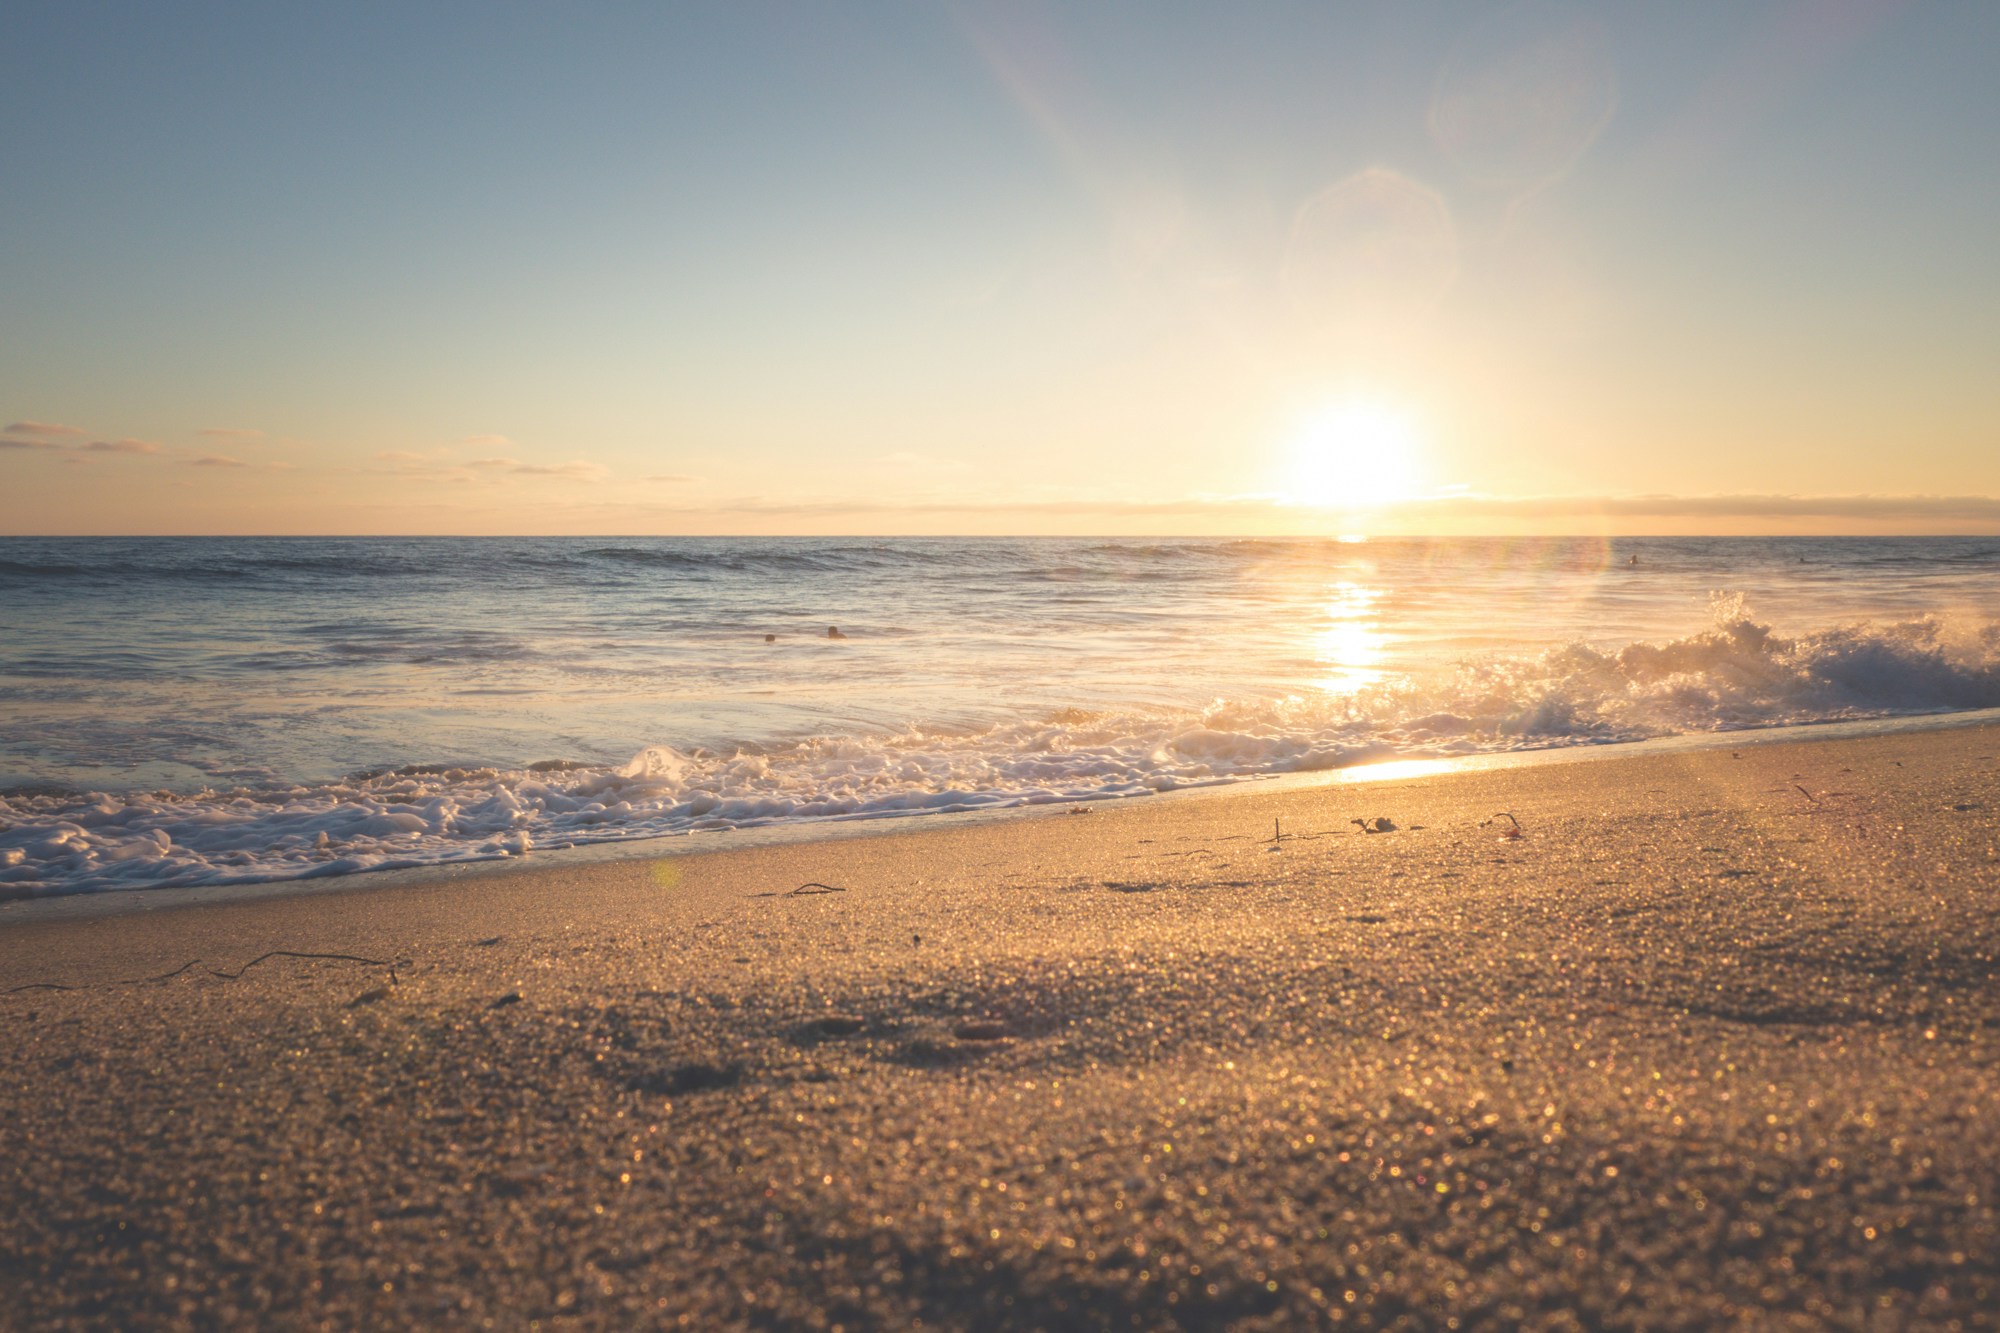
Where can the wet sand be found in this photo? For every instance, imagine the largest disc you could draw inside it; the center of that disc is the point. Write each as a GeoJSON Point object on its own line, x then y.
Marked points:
{"type": "Point", "coordinates": [1714, 1042]}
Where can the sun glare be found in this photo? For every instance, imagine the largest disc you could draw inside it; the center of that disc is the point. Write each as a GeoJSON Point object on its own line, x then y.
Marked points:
{"type": "Point", "coordinates": [1353, 456]}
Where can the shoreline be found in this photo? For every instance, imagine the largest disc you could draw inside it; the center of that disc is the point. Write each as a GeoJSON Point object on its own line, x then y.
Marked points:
{"type": "Point", "coordinates": [1716, 1041]}
{"type": "Point", "coordinates": [114, 902]}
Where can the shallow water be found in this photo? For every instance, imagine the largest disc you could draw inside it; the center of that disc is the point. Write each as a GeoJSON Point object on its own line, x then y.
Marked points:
{"type": "Point", "coordinates": [196, 710]}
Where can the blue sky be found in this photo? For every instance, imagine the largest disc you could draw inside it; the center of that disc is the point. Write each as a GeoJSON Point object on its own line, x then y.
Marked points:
{"type": "Point", "coordinates": [994, 267]}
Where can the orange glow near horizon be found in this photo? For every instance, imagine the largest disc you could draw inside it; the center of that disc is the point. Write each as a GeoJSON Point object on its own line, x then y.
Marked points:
{"type": "Point", "coordinates": [1519, 269]}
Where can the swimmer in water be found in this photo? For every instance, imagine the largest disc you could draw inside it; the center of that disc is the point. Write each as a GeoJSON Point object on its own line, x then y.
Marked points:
{"type": "Point", "coordinates": [833, 632]}
{"type": "Point", "coordinates": [770, 638]}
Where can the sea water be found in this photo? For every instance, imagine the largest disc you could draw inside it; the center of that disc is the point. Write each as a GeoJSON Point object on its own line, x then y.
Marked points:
{"type": "Point", "coordinates": [190, 711]}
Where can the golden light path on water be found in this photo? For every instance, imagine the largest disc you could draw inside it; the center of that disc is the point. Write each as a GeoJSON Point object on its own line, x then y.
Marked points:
{"type": "Point", "coordinates": [1354, 644]}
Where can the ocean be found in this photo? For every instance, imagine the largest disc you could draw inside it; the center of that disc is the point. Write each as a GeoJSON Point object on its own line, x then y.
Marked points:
{"type": "Point", "coordinates": [196, 711]}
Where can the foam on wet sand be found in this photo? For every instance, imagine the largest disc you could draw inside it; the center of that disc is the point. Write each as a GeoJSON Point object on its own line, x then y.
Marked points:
{"type": "Point", "coordinates": [1714, 1041]}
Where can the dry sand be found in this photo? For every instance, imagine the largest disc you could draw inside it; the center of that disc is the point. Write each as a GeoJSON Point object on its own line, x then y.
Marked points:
{"type": "Point", "coordinates": [1701, 1048]}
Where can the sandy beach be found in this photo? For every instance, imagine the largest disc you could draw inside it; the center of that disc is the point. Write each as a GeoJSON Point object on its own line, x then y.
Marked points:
{"type": "Point", "coordinates": [1000, 666]}
{"type": "Point", "coordinates": [1712, 1041]}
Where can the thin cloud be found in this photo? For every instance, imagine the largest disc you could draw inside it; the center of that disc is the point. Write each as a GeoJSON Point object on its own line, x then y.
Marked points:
{"type": "Point", "coordinates": [430, 467]}
{"type": "Point", "coordinates": [44, 429]}
{"type": "Point", "coordinates": [430, 463]}
{"type": "Point", "coordinates": [1981, 508]}
{"type": "Point", "coordinates": [575, 470]}
{"type": "Point", "coordinates": [487, 441]}
{"type": "Point", "coordinates": [230, 433]}
{"type": "Point", "coordinates": [434, 465]}
{"type": "Point", "coordinates": [217, 460]}
{"type": "Point", "coordinates": [669, 476]}
{"type": "Point", "coordinates": [1255, 508]}
{"type": "Point", "coordinates": [45, 442]}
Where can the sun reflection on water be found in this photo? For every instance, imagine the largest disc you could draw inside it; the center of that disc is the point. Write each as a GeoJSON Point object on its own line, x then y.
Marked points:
{"type": "Point", "coordinates": [1351, 647]}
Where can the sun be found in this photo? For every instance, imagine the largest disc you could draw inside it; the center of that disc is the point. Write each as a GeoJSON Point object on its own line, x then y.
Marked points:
{"type": "Point", "coordinates": [1353, 455]}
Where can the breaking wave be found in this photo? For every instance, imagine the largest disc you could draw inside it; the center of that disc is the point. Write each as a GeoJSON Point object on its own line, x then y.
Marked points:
{"type": "Point", "coordinates": [1735, 674]}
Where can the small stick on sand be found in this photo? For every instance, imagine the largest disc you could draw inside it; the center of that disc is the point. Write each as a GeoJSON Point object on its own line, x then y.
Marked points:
{"type": "Point", "coordinates": [164, 976]}
{"type": "Point", "coordinates": [293, 953]}
{"type": "Point", "coordinates": [389, 963]}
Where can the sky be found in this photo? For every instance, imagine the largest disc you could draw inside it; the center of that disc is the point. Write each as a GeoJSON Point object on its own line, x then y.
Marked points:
{"type": "Point", "coordinates": [1104, 267]}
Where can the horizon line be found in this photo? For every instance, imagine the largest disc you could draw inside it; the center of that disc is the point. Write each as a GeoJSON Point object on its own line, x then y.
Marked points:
{"type": "Point", "coordinates": [987, 536]}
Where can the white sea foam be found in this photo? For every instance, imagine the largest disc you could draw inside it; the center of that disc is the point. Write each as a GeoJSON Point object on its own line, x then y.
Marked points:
{"type": "Point", "coordinates": [1735, 674]}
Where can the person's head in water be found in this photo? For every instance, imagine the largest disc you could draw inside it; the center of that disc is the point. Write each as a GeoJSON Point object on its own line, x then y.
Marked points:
{"type": "Point", "coordinates": [770, 638]}
{"type": "Point", "coordinates": [833, 632]}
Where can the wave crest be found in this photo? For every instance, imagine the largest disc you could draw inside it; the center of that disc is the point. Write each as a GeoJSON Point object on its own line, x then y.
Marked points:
{"type": "Point", "coordinates": [1735, 674]}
